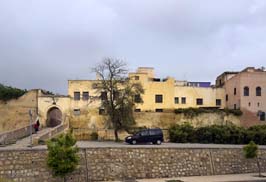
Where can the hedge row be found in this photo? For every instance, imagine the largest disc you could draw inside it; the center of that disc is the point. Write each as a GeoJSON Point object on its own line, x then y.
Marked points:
{"type": "Point", "coordinates": [192, 112]}
{"type": "Point", "coordinates": [217, 134]}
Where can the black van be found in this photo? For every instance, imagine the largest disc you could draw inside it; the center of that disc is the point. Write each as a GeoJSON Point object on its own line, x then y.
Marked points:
{"type": "Point", "coordinates": [146, 136]}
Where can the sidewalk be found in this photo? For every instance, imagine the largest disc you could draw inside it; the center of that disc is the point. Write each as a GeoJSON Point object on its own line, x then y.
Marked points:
{"type": "Point", "coordinates": [220, 178]}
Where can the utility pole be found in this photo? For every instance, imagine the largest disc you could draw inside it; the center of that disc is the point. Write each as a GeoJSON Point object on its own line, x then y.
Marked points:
{"type": "Point", "coordinates": [30, 113]}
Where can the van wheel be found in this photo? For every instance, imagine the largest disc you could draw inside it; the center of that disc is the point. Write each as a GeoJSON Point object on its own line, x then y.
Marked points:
{"type": "Point", "coordinates": [158, 142]}
{"type": "Point", "coordinates": [134, 142]}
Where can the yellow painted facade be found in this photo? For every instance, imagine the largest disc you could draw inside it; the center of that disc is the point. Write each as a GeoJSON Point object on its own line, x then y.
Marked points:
{"type": "Point", "coordinates": [173, 91]}
{"type": "Point", "coordinates": [83, 108]}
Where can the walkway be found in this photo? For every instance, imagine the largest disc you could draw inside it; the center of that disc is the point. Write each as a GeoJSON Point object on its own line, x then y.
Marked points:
{"type": "Point", "coordinates": [219, 178]}
{"type": "Point", "coordinates": [24, 142]}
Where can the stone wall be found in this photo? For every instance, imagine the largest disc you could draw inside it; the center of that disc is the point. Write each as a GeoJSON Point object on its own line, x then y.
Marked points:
{"type": "Point", "coordinates": [118, 163]}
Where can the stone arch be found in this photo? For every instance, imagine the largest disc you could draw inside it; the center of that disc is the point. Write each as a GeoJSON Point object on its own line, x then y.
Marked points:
{"type": "Point", "coordinates": [54, 117]}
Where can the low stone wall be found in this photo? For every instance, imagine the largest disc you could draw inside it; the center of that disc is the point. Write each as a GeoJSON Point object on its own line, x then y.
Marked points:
{"type": "Point", "coordinates": [102, 164]}
{"type": "Point", "coordinates": [10, 137]}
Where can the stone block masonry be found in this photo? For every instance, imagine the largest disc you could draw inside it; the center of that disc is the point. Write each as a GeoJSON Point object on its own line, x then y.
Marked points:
{"type": "Point", "coordinates": [102, 164]}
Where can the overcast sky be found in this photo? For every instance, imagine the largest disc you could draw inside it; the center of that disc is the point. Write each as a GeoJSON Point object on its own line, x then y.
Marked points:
{"type": "Point", "coordinates": [43, 43]}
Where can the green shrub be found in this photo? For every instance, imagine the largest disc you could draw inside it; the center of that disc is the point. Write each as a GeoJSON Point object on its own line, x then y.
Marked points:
{"type": "Point", "coordinates": [182, 133]}
{"type": "Point", "coordinates": [94, 136]}
{"type": "Point", "coordinates": [193, 112]}
{"type": "Point", "coordinates": [62, 155]}
{"type": "Point", "coordinates": [218, 134]}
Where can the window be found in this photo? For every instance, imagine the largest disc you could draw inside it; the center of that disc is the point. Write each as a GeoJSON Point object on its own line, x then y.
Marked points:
{"type": "Point", "coordinates": [76, 112]}
{"type": "Point", "coordinates": [176, 100]}
{"type": "Point", "coordinates": [262, 116]}
{"type": "Point", "coordinates": [144, 133]}
{"type": "Point", "coordinates": [115, 95]}
{"type": "Point", "coordinates": [158, 98]}
{"type": "Point", "coordinates": [104, 95]}
{"type": "Point", "coordinates": [199, 101]}
{"type": "Point", "coordinates": [218, 102]}
{"type": "Point", "coordinates": [234, 106]}
{"type": "Point", "coordinates": [76, 95]}
{"type": "Point", "coordinates": [137, 110]}
{"type": "Point", "coordinates": [258, 104]}
{"type": "Point", "coordinates": [158, 110]}
{"type": "Point", "coordinates": [246, 91]}
{"type": "Point", "coordinates": [136, 77]}
{"type": "Point", "coordinates": [183, 100]}
{"type": "Point", "coordinates": [85, 95]}
{"type": "Point", "coordinates": [101, 111]}
{"type": "Point", "coordinates": [258, 91]}
{"type": "Point", "coordinates": [226, 97]}
{"type": "Point", "coordinates": [137, 98]}
{"type": "Point", "coordinates": [234, 91]}
{"type": "Point", "coordinates": [249, 104]}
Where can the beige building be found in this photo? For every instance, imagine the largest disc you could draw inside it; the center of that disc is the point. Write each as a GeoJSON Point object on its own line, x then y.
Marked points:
{"type": "Point", "coordinates": [245, 90]}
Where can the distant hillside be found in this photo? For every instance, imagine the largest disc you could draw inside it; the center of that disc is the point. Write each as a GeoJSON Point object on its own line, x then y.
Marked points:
{"type": "Point", "coordinates": [7, 93]}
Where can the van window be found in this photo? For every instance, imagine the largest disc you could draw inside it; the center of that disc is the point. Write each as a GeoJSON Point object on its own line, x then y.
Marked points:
{"type": "Point", "coordinates": [145, 133]}
{"type": "Point", "coordinates": [155, 132]}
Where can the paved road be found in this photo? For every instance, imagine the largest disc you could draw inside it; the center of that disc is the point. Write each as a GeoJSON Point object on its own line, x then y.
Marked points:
{"type": "Point", "coordinates": [95, 144]}
{"type": "Point", "coordinates": [91, 144]}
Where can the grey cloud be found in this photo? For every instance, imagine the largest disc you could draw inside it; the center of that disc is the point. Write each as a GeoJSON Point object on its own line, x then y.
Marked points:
{"type": "Point", "coordinates": [43, 43]}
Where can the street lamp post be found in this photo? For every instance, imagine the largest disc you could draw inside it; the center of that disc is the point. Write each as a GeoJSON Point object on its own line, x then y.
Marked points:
{"type": "Point", "coordinates": [30, 114]}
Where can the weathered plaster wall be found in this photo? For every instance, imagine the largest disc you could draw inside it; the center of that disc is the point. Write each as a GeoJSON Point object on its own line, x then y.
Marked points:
{"type": "Point", "coordinates": [47, 102]}
{"type": "Point", "coordinates": [102, 164]}
{"type": "Point", "coordinates": [164, 120]}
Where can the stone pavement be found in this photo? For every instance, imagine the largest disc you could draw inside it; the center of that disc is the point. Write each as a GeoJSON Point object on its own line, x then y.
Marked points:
{"type": "Point", "coordinates": [251, 177]}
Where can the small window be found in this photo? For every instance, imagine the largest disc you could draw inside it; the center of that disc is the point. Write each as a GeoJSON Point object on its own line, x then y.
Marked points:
{"type": "Point", "coordinates": [76, 95]}
{"type": "Point", "coordinates": [137, 98]}
{"type": "Point", "coordinates": [158, 110]}
{"type": "Point", "coordinates": [258, 91]}
{"type": "Point", "coordinates": [176, 100]}
{"type": "Point", "coordinates": [158, 98]}
{"type": "Point", "coordinates": [249, 104]}
{"type": "Point", "coordinates": [101, 111]}
{"type": "Point", "coordinates": [183, 100]}
{"type": "Point", "coordinates": [104, 95]}
{"type": "Point", "coordinates": [218, 102]}
{"type": "Point", "coordinates": [234, 91]}
{"type": "Point", "coordinates": [246, 91]}
{"type": "Point", "coordinates": [199, 101]}
{"type": "Point", "coordinates": [76, 112]}
{"type": "Point", "coordinates": [226, 97]}
{"type": "Point", "coordinates": [262, 116]}
{"type": "Point", "coordinates": [234, 106]}
{"type": "Point", "coordinates": [137, 110]}
{"type": "Point", "coordinates": [85, 95]}
{"type": "Point", "coordinates": [258, 104]}
{"type": "Point", "coordinates": [136, 77]}
{"type": "Point", "coordinates": [116, 95]}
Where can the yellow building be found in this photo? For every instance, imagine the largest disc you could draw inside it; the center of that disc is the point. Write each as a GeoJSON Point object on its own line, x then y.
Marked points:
{"type": "Point", "coordinates": [167, 94]}
{"type": "Point", "coordinates": [160, 95]}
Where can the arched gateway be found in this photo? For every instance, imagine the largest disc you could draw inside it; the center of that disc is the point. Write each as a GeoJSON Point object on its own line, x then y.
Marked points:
{"type": "Point", "coordinates": [54, 117]}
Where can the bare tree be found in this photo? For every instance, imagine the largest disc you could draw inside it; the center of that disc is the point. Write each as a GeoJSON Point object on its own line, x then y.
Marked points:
{"type": "Point", "coordinates": [117, 93]}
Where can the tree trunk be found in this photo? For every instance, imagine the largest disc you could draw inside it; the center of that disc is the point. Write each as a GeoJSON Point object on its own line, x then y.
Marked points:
{"type": "Point", "coordinates": [116, 135]}
{"type": "Point", "coordinates": [258, 164]}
